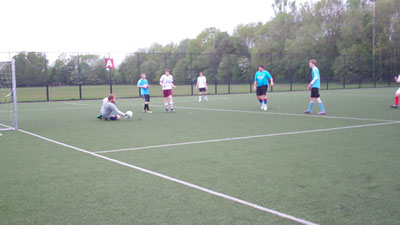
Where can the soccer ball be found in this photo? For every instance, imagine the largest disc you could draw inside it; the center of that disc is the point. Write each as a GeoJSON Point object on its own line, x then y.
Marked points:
{"type": "Point", "coordinates": [129, 114]}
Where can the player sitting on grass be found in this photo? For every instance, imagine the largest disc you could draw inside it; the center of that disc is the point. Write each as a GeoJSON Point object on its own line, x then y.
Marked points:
{"type": "Point", "coordinates": [396, 96]}
{"type": "Point", "coordinates": [261, 85]}
{"type": "Point", "coordinates": [314, 87]}
{"type": "Point", "coordinates": [202, 86]}
{"type": "Point", "coordinates": [143, 84]}
{"type": "Point", "coordinates": [109, 110]}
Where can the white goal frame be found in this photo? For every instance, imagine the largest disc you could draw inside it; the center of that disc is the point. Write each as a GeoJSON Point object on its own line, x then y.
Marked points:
{"type": "Point", "coordinates": [13, 126]}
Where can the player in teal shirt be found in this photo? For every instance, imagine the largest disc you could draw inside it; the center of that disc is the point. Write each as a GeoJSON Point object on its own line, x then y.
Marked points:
{"type": "Point", "coordinates": [143, 84]}
{"type": "Point", "coordinates": [261, 85]}
{"type": "Point", "coordinates": [314, 86]}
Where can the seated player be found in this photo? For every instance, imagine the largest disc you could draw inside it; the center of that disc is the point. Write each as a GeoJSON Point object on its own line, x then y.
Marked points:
{"type": "Point", "coordinates": [396, 96]}
{"type": "Point", "coordinates": [109, 110]}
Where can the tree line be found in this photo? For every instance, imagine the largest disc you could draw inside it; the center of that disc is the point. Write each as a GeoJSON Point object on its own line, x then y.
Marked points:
{"type": "Point", "coordinates": [338, 33]}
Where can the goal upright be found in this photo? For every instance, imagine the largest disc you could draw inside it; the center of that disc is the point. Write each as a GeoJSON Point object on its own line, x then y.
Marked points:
{"type": "Point", "coordinates": [8, 96]}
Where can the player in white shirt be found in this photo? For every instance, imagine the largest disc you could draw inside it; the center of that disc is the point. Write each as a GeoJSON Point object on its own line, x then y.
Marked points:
{"type": "Point", "coordinates": [167, 83]}
{"type": "Point", "coordinates": [202, 86]}
{"type": "Point", "coordinates": [397, 95]}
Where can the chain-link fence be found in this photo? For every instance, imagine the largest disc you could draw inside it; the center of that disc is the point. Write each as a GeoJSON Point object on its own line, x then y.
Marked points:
{"type": "Point", "coordinates": [75, 76]}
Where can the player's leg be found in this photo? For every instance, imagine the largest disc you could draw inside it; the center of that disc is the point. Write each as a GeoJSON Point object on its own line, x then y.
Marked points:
{"type": "Point", "coordinates": [321, 106]}
{"type": "Point", "coordinates": [165, 93]}
{"type": "Point", "coordinates": [200, 92]}
{"type": "Point", "coordinates": [171, 103]}
{"type": "Point", "coordinates": [259, 95]}
{"type": "Point", "coordinates": [113, 116]}
{"type": "Point", "coordinates": [310, 105]}
{"type": "Point", "coordinates": [265, 99]}
{"type": "Point", "coordinates": [146, 103]}
{"type": "Point", "coordinates": [205, 95]}
{"type": "Point", "coordinates": [396, 99]}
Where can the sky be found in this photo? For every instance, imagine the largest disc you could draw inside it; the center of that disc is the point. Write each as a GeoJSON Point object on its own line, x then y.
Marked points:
{"type": "Point", "coordinates": [118, 26]}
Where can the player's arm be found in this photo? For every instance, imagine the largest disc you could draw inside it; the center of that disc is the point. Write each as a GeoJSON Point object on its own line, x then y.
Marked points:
{"type": "Point", "coordinates": [115, 109]}
{"type": "Point", "coordinates": [270, 78]}
{"type": "Point", "coordinates": [172, 84]}
{"type": "Point", "coordinates": [397, 79]}
{"type": "Point", "coordinates": [197, 84]}
{"type": "Point", "coordinates": [139, 84]}
{"type": "Point", "coordinates": [313, 81]}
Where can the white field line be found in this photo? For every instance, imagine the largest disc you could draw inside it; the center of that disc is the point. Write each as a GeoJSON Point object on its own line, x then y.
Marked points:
{"type": "Point", "coordinates": [72, 103]}
{"type": "Point", "coordinates": [71, 108]}
{"type": "Point", "coordinates": [215, 193]}
{"type": "Point", "coordinates": [248, 137]}
{"type": "Point", "coordinates": [282, 114]}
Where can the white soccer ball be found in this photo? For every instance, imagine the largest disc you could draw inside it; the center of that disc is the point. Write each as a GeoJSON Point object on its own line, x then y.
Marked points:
{"type": "Point", "coordinates": [129, 113]}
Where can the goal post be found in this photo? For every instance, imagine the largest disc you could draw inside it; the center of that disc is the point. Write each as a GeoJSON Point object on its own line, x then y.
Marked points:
{"type": "Point", "coordinates": [8, 96]}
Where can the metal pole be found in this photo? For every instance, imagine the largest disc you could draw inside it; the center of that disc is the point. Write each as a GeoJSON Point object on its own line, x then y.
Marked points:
{"type": "Point", "coordinates": [251, 89]}
{"type": "Point", "coordinates": [373, 44]}
{"type": "Point", "coordinates": [110, 75]}
{"type": "Point", "coordinates": [191, 74]}
{"type": "Point", "coordinates": [165, 60]}
{"type": "Point", "coordinates": [47, 80]}
{"type": "Point", "coordinates": [229, 77]}
{"type": "Point", "coordinates": [80, 78]}
{"type": "Point", "coordinates": [14, 94]}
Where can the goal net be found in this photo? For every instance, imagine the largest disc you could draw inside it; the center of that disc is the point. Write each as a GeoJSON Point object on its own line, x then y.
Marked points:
{"type": "Point", "coordinates": [8, 96]}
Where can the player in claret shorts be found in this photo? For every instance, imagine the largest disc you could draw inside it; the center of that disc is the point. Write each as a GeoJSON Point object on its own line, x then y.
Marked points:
{"type": "Point", "coordinates": [167, 83]}
{"type": "Point", "coordinates": [397, 94]}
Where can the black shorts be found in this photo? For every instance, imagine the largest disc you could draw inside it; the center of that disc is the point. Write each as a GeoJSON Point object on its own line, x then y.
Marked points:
{"type": "Point", "coordinates": [146, 98]}
{"type": "Point", "coordinates": [315, 93]}
{"type": "Point", "coordinates": [262, 90]}
{"type": "Point", "coordinates": [202, 89]}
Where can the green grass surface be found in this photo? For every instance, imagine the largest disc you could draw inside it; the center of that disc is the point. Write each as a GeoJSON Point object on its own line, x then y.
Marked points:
{"type": "Point", "coordinates": [28, 94]}
{"type": "Point", "coordinates": [344, 176]}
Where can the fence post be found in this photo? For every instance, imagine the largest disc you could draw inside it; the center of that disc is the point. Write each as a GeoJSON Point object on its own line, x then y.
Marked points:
{"type": "Point", "coordinates": [251, 90]}
{"type": "Point", "coordinates": [327, 82]}
{"type": "Point", "coordinates": [344, 74]}
{"type": "Point", "coordinates": [47, 79]}
{"type": "Point", "coordinates": [110, 76]}
{"type": "Point", "coordinates": [191, 73]}
{"type": "Point", "coordinates": [290, 74]}
{"type": "Point", "coordinates": [80, 78]}
{"type": "Point", "coordinates": [138, 63]}
{"type": "Point", "coordinates": [216, 89]}
{"type": "Point", "coordinates": [165, 60]}
{"type": "Point", "coordinates": [389, 68]}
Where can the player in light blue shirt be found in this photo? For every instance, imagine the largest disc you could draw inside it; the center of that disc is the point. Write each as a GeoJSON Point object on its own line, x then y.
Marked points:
{"type": "Point", "coordinates": [261, 85]}
{"type": "Point", "coordinates": [314, 86]}
{"type": "Point", "coordinates": [143, 84]}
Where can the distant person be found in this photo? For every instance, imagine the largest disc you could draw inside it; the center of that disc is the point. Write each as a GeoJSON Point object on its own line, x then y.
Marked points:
{"type": "Point", "coordinates": [109, 110]}
{"type": "Point", "coordinates": [314, 86]}
{"type": "Point", "coordinates": [143, 84]}
{"type": "Point", "coordinates": [167, 83]}
{"type": "Point", "coordinates": [202, 86]}
{"type": "Point", "coordinates": [397, 94]}
{"type": "Point", "coordinates": [261, 86]}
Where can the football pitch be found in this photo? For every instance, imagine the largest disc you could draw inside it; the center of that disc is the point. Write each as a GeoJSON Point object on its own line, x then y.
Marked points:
{"type": "Point", "coordinates": [219, 162]}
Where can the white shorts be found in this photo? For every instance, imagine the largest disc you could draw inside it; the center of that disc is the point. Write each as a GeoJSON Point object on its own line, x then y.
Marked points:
{"type": "Point", "coordinates": [398, 92]}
